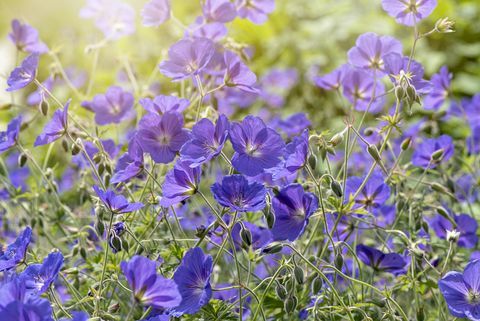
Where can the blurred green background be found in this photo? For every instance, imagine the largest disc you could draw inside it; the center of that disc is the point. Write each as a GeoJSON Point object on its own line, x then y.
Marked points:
{"type": "Point", "coordinates": [300, 34]}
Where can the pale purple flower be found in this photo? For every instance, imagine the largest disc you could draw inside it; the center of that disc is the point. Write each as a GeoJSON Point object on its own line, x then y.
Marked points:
{"type": "Point", "coordinates": [181, 182]}
{"type": "Point", "coordinates": [237, 74]}
{"type": "Point", "coordinates": [370, 49]}
{"type": "Point", "coordinates": [115, 106]}
{"type": "Point", "coordinates": [440, 89]}
{"type": "Point", "coordinates": [409, 12]}
{"type": "Point", "coordinates": [25, 37]}
{"type": "Point", "coordinates": [56, 128]}
{"type": "Point", "coordinates": [9, 137]}
{"type": "Point", "coordinates": [162, 136]}
{"type": "Point", "coordinates": [361, 90]}
{"type": "Point", "coordinates": [187, 58]}
{"type": "Point", "coordinates": [256, 11]}
{"type": "Point", "coordinates": [162, 104]}
{"type": "Point", "coordinates": [219, 10]}
{"type": "Point", "coordinates": [23, 75]}
{"type": "Point", "coordinates": [156, 12]}
{"type": "Point", "coordinates": [332, 80]}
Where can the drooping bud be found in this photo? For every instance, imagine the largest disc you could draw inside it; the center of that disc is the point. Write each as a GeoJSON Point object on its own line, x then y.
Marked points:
{"type": "Point", "coordinates": [406, 143]}
{"type": "Point", "coordinates": [373, 151]}
{"type": "Point", "coordinates": [76, 147]}
{"type": "Point", "coordinates": [299, 274]}
{"type": "Point", "coordinates": [245, 235]}
{"type": "Point", "coordinates": [336, 188]}
{"type": "Point", "coordinates": [22, 159]}
{"type": "Point", "coordinates": [43, 107]}
{"type": "Point", "coordinates": [281, 292]}
{"type": "Point", "coordinates": [438, 155]}
{"type": "Point", "coordinates": [272, 248]}
{"type": "Point", "coordinates": [337, 139]}
{"type": "Point", "coordinates": [312, 161]}
{"type": "Point", "coordinates": [290, 304]}
{"type": "Point", "coordinates": [317, 285]}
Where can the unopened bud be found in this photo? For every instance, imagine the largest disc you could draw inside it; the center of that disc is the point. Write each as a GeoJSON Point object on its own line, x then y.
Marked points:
{"type": "Point", "coordinates": [438, 155]}
{"type": "Point", "coordinates": [76, 147]}
{"type": "Point", "coordinates": [406, 143]}
{"type": "Point", "coordinates": [373, 151]}
{"type": "Point", "coordinates": [22, 159]}
{"type": "Point", "coordinates": [336, 188]}
{"type": "Point", "coordinates": [299, 274]}
{"type": "Point", "coordinates": [245, 235]}
{"type": "Point", "coordinates": [290, 304]}
{"type": "Point", "coordinates": [452, 236]}
{"type": "Point", "coordinates": [272, 248]}
{"type": "Point", "coordinates": [317, 285]}
{"type": "Point", "coordinates": [43, 107]}
{"type": "Point", "coordinates": [312, 161]}
{"type": "Point", "coordinates": [336, 139]}
{"type": "Point", "coordinates": [281, 292]}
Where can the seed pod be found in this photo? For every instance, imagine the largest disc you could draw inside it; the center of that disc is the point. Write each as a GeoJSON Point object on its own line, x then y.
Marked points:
{"type": "Point", "coordinates": [22, 159]}
{"type": "Point", "coordinates": [317, 285]}
{"type": "Point", "coordinates": [290, 304]}
{"type": "Point", "coordinates": [299, 274]}
{"type": "Point", "coordinates": [312, 161]}
{"type": "Point", "coordinates": [400, 92]}
{"type": "Point", "coordinates": [97, 158]}
{"type": "Point", "coordinates": [336, 188]}
{"type": "Point", "coordinates": [281, 292]}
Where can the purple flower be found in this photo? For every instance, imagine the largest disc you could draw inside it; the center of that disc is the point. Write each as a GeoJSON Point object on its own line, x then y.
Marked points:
{"type": "Point", "coordinates": [129, 164]}
{"type": "Point", "coordinates": [381, 262]}
{"type": "Point", "coordinates": [332, 80]}
{"type": "Point", "coordinates": [181, 182]}
{"type": "Point", "coordinates": [114, 106]}
{"type": "Point", "coordinates": [361, 90]}
{"type": "Point", "coordinates": [156, 12]}
{"type": "Point", "coordinates": [292, 207]}
{"type": "Point", "coordinates": [114, 18]}
{"type": "Point", "coordinates": [16, 305]}
{"type": "Point", "coordinates": [461, 291]}
{"type": "Point", "coordinates": [206, 142]}
{"type": "Point", "coordinates": [148, 287]}
{"type": "Point", "coordinates": [256, 146]}
{"type": "Point", "coordinates": [440, 89]}
{"type": "Point", "coordinates": [214, 31]}
{"type": "Point", "coordinates": [373, 195]}
{"type": "Point", "coordinates": [14, 253]}
{"type": "Point", "coordinates": [116, 204]}
{"type": "Point", "coordinates": [422, 155]}
{"type": "Point", "coordinates": [296, 152]}
{"type": "Point", "coordinates": [370, 50]}
{"type": "Point", "coordinates": [256, 11]}
{"type": "Point", "coordinates": [25, 37]}
{"type": "Point", "coordinates": [294, 124]}
{"type": "Point", "coordinates": [473, 141]}
{"type": "Point", "coordinates": [193, 279]}
{"type": "Point", "coordinates": [21, 76]}
{"type": "Point", "coordinates": [162, 136]}
{"type": "Point", "coordinates": [238, 194]}
{"type": "Point", "coordinates": [39, 277]}
{"type": "Point", "coordinates": [56, 128]}
{"type": "Point", "coordinates": [464, 224]}
{"type": "Point", "coordinates": [237, 74]}
{"type": "Point", "coordinates": [9, 137]}
{"type": "Point", "coordinates": [219, 10]}
{"type": "Point", "coordinates": [187, 58]}
{"type": "Point", "coordinates": [163, 104]}
{"type": "Point", "coordinates": [409, 12]}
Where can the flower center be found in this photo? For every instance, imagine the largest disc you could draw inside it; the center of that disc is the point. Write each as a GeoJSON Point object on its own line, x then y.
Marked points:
{"type": "Point", "coordinates": [164, 139]}
{"type": "Point", "coordinates": [473, 297]}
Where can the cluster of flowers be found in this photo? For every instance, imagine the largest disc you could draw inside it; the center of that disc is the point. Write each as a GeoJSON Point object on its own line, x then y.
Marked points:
{"type": "Point", "coordinates": [268, 177]}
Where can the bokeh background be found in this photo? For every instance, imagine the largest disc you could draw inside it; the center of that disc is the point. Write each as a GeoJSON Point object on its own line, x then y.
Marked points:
{"type": "Point", "coordinates": [311, 36]}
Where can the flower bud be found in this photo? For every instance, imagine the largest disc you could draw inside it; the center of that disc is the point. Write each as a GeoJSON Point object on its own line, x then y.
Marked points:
{"type": "Point", "coordinates": [406, 143]}
{"type": "Point", "coordinates": [312, 161]}
{"type": "Point", "coordinates": [65, 145]}
{"type": "Point", "coordinates": [281, 292]}
{"type": "Point", "coordinates": [43, 107]}
{"type": "Point", "coordinates": [438, 155]}
{"type": "Point", "coordinates": [317, 285]}
{"type": "Point", "coordinates": [336, 188]}
{"type": "Point", "coordinates": [299, 274]}
{"type": "Point", "coordinates": [245, 235]}
{"type": "Point", "coordinates": [272, 248]}
{"type": "Point", "coordinates": [290, 304]}
{"type": "Point", "coordinates": [339, 261]}
{"type": "Point", "coordinates": [373, 151]}
{"type": "Point", "coordinates": [22, 159]}
{"type": "Point", "coordinates": [76, 147]}
{"type": "Point", "coordinates": [270, 218]}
